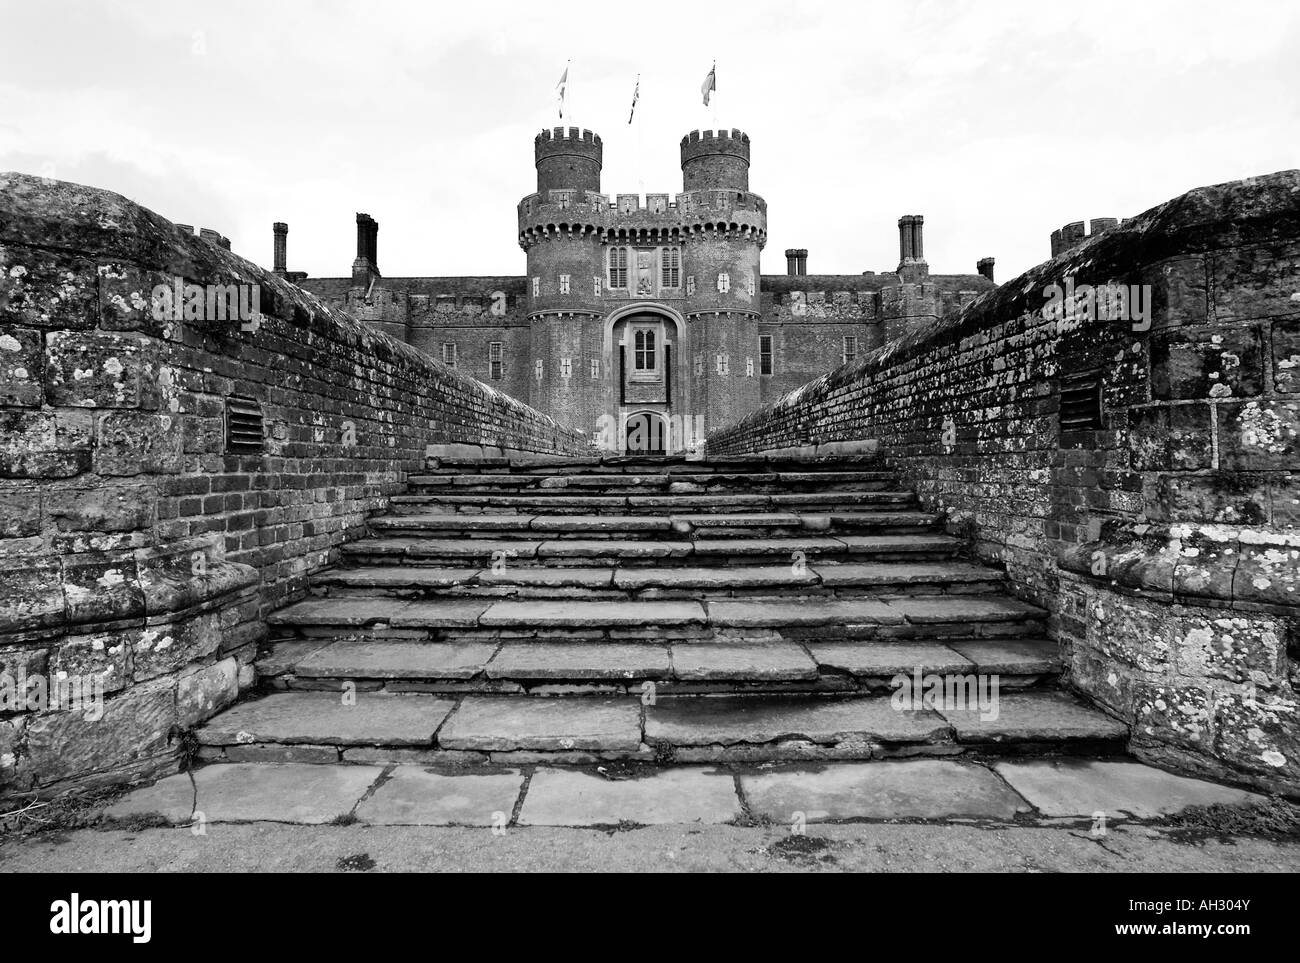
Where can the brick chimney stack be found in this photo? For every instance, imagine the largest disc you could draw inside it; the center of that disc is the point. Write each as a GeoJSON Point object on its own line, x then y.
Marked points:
{"type": "Point", "coordinates": [985, 267]}
{"type": "Point", "coordinates": [366, 267]}
{"type": "Point", "coordinates": [281, 247]}
{"type": "Point", "coordinates": [791, 261]}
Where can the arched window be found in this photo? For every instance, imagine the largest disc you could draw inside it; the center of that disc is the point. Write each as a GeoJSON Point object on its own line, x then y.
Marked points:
{"type": "Point", "coordinates": [644, 351]}
{"type": "Point", "coordinates": [618, 268]}
{"type": "Point", "coordinates": [671, 264]}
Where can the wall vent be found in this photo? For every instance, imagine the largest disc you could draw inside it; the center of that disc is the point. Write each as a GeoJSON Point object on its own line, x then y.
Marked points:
{"type": "Point", "coordinates": [244, 434]}
{"type": "Point", "coordinates": [1081, 401]}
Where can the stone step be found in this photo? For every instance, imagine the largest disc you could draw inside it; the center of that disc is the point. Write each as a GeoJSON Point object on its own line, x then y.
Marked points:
{"type": "Point", "coordinates": [566, 502]}
{"type": "Point", "coordinates": [454, 552]}
{"type": "Point", "coordinates": [527, 525]}
{"type": "Point", "coordinates": [619, 667]}
{"type": "Point", "coordinates": [671, 483]}
{"type": "Point", "coordinates": [369, 727]}
{"type": "Point", "coordinates": [818, 619]}
{"type": "Point", "coordinates": [842, 579]}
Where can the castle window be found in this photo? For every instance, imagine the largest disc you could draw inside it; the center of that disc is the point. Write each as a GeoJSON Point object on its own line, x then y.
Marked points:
{"type": "Point", "coordinates": [595, 368]}
{"type": "Point", "coordinates": [699, 364]}
{"type": "Point", "coordinates": [765, 354]}
{"type": "Point", "coordinates": [566, 367]}
{"type": "Point", "coordinates": [644, 351]}
{"type": "Point", "coordinates": [749, 367]}
{"type": "Point", "coordinates": [850, 348]}
{"type": "Point", "coordinates": [449, 354]}
{"type": "Point", "coordinates": [564, 284]}
{"type": "Point", "coordinates": [724, 282]}
{"type": "Point", "coordinates": [538, 369]}
{"type": "Point", "coordinates": [618, 268]}
{"type": "Point", "coordinates": [671, 267]}
{"type": "Point", "coordinates": [749, 285]}
{"type": "Point", "coordinates": [724, 364]}
{"type": "Point", "coordinates": [690, 284]}
{"type": "Point", "coordinates": [595, 287]}
{"type": "Point", "coordinates": [495, 366]}
{"type": "Point", "coordinates": [537, 286]}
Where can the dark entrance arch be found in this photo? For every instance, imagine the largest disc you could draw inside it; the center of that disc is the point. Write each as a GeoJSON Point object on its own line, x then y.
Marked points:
{"type": "Point", "coordinates": [646, 433]}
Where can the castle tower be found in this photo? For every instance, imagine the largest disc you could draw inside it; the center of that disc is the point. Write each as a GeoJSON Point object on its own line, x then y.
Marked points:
{"type": "Point", "coordinates": [561, 230]}
{"type": "Point", "coordinates": [724, 228]}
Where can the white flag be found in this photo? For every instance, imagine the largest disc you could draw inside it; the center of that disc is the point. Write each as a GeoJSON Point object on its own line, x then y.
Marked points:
{"type": "Point", "coordinates": [710, 83]}
{"type": "Point", "coordinates": [636, 95]}
{"type": "Point", "coordinates": [561, 88]}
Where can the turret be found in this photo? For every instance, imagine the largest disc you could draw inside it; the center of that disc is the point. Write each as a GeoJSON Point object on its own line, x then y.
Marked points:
{"type": "Point", "coordinates": [568, 161]}
{"type": "Point", "coordinates": [715, 160]}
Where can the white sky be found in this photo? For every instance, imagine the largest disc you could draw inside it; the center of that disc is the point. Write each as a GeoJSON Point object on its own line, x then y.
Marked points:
{"type": "Point", "coordinates": [999, 121]}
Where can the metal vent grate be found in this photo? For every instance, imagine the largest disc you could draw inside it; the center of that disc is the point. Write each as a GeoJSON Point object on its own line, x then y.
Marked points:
{"type": "Point", "coordinates": [243, 426]}
{"type": "Point", "coordinates": [1081, 401]}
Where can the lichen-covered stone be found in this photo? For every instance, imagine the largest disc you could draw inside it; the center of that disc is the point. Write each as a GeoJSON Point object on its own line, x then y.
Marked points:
{"type": "Point", "coordinates": [20, 366]}
{"type": "Point", "coordinates": [1179, 715]}
{"type": "Point", "coordinates": [97, 370]}
{"type": "Point", "coordinates": [202, 692]}
{"type": "Point", "coordinates": [1236, 648]}
{"type": "Point", "coordinates": [165, 648]}
{"type": "Point", "coordinates": [103, 657]}
{"type": "Point", "coordinates": [137, 443]}
{"type": "Point", "coordinates": [1259, 732]}
{"type": "Point", "coordinates": [44, 444]}
{"type": "Point", "coordinates": [102, 588]}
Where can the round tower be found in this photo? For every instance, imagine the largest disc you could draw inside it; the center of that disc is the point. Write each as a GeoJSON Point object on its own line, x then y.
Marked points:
{"type": "Point", "coordinates": [715, 160]}
{"type": "Point", "coordinates": [568, 161]}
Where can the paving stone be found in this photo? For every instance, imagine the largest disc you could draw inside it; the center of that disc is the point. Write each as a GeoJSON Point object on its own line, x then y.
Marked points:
{"type": "Point", "coordinates": [247, 792]}
{"type": "Point", "coordinates": [594, 578]}
{"type": "Point", "coordinates": [322, 718]}
{"type": "Point", "coordinates": [912, 789]}
{"type": "Point", "coordinates": [440, 614]}
{"type": "Point", "coordinates": [587, 548]}
{"type": "Point", "coordinates": [887, 659]}
{"type": "Point", "coordinates": [369, 659]}
{"type": "Point", "coordinates": [413, 796]}
{"type": "Point", "coordinates": [600, 523]}
{"type": "Point", "coordinates": [1082, 787]}
{"type": "Point", "coordinates": [926, 610]}
{"type": "Point", "coordinates": [487, 723]}
{"type": "Point", "coordinates": [543, 612]}
{"type": "Point", "coordinates": [396, 576]}
{"type": "Point", "coordinates": [283, 656]}
{"type": "Point", "coordinates": [752, 661]}
{"type": "Point", "coordinates": [757, 719]}
{"type": "Point", "coordinates": [560, 797]}
{"type": "Point", "coordinates": [352, 613]}
{"type": "Point", "coordinates": [454, 522]}
{"type": "Point", "coordinates": [722, 577]}
{"type": "Point", "coordinates": [750, 614]}
{"type": "Point", "coordinates": [903, 573]}
{"type": "Point", "coordinates": [1011, 656]}
{"type": "Point", "coordinates": [1034, 717]}
{"type": "Point", "coordinates": [580, 660]}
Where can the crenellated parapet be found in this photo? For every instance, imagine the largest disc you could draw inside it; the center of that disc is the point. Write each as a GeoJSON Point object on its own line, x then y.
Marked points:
{"type": "Point", "coordinates": [573, 214]}
{"type": "Point", "coordinates": [1075, 233]}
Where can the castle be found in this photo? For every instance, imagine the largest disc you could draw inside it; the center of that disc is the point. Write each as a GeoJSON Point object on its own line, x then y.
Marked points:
{"type": "Point", "coordinates": [646, 323]}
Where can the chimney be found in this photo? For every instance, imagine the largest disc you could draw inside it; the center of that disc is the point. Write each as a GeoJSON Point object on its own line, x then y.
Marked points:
{"type": "Point", "coordinates": [281, 247]}
{"type": "Point", "coordinates": [366, 268]}
{"type": "Point", "coordinates": [802, 260]}
{"type": "Point", "coordinates": [985, 267]}
{"type": "Point", "coordinates": [791, 261]}
{"type": "Point", "coordinates": [918, 246]}
{"type": "Point", "coordinates": [905, 239]}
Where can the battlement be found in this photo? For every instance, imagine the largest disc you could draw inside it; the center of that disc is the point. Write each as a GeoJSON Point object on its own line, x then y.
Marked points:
{"type": "Point", "coordinates": [1074, 233]}
{"type": "Point", "coordinates": [697, 143]}
{"type": "Point", "coordinates": [560, 140]}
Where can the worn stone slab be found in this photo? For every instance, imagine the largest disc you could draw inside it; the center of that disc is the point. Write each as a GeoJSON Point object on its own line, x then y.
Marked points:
{"type": "Point", "coordinates": [786, 547]}
{"type": "Point", "coordinates": [600, 523]}
{"type": "Point", "coordinates": [752, 614]}
{"type": "Point", "coordinates": [747, 520]}
{"type": "Point", "coordinates": [560, 797]}
{"type": "Point", "coordinates": [595, 578]}
{"type": "Point", "coordinates": [759, 719]}
{"type": "Point", "coordinates": [752, 661]}
{"type": "Point", "coordinates": [454, 522]}
{"type": "Point", "coordinates": [902, 573]}
{"type": "Point", "coordinates": [721, 577]}
{"type": "Point", "coordinates": [1033, 717]}
{"type": "Point", "coordinates": [887, 659]}
{"type": "Point", "coordinates": [1082, 787]}
{"type": "Point", "coordinates": [912, 789]}
{"type": "Point", "coordinates": [1011, 656]}
{"type": "Point", "coordinates": [580, 660]}
{"type": "Point", "coordinates": [395, 576]}
{"type": "Point", "coordinates": [579, 614]}
{"type": "Point", "coordinates": [588, 548]}
{"type": "Point", "coordinates": [350, 613]}
{"type": "Point", "coordinates": [498, 724]}
{"type": "Point", "coordinates": [283, 656]}
{"type": "Point", "coordinates": [322, 718]}
{"type": "Point", "coordinates": [368, 659]}
{"type": "Point", "coordinates": [440, 614]}
{"type": "Point", "coordinates": [414, 796]}
{"type": "Point", "coordinates": [880, 544]}
{"type": "Point", "coordinates": [927, 610]}
{"type": "Point", "coordinates": [476, 548]}
{"type": "Point", "coordinates": [250, 792]}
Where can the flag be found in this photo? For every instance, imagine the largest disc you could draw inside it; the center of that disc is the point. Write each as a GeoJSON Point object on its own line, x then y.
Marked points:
{"type": "Point", "coordinates": [710, 83]}
{"type": "Point", "coordinates": [636, 95]}
{"type": "Point", "coordinates": [561, 88]}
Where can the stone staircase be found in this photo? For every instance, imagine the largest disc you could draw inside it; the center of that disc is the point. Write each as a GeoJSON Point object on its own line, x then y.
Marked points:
{"type": "Point", "coordinates": [654, 610]}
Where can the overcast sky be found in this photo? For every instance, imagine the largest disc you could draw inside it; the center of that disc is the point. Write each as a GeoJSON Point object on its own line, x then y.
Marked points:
{"type": "Point", "coordinates": [999, 121]}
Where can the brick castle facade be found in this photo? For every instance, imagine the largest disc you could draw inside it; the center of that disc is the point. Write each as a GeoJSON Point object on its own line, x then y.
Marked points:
{"type": "Point", "coordinates": [646, 322]}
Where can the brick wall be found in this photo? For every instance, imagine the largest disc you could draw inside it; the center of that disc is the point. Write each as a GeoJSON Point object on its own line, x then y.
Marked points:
{"type": "Point", "coordinates": [135, 549]}
{"type": "Point", "coordinates": [1164, 541]}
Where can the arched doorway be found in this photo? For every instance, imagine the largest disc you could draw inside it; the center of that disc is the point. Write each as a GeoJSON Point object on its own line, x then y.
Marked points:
{"type": "Point", "coordinates": [645, 433]}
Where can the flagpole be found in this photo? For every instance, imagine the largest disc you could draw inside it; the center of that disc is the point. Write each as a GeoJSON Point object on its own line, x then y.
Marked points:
{"type": "Point", "coordinates": [640, 168]}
